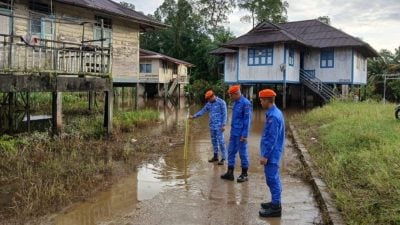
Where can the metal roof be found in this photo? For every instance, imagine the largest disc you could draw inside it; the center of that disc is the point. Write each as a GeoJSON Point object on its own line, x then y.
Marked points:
{"type": "Point", "coordinates": [112, 7]}
{"type": "Point", "coordinates": [146, 54]}
{"type": "Point", "coordinates": [310, 33]}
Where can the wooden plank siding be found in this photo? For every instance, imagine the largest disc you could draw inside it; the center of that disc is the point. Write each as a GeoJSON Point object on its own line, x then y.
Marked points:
{"type": "Point", "coordinates": [341, 73]}
{"type": "Point", "coordinates": [125, 34]}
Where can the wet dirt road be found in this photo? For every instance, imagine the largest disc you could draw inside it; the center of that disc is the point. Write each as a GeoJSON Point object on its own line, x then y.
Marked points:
{"type": "Point", "coordinates": [171, 190]}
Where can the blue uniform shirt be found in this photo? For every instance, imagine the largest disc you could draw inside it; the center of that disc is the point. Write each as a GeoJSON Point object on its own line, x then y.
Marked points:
{"type": "Point", "coordinates": [217, 115]}
{"type": "Point", "coordinates": [273, 138]}
{"type": "Point", "coordinates": [241, 117]}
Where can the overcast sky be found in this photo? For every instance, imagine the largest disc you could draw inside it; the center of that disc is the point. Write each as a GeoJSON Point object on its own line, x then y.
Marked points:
{"type": "Point", "coordinates": [375, 21]}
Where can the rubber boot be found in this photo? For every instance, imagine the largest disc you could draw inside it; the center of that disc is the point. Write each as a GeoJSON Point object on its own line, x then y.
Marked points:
{"type": "Point", "coordinates": [228, 175]}
{"type": "Point", "coordinates": [214, 159]}
{"type": "Point", "coordinates": [243, 177]}
{"type": "Point", "coordinates": [266, 205]}
{"type": "Point", "coordinates": [272, 211]}
{"type": "Point", "coordinates": [221, 162]}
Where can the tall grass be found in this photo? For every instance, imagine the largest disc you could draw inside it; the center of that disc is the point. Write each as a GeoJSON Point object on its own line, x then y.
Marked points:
{"type": "Point", "coordinates": [39, 174]}
{"type": "Point", "coordinates": [126, 120]}
{"type": "Point", "coordinates": [357, 148]}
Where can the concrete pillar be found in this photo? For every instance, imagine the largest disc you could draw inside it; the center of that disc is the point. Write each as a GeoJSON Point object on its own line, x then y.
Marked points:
{"type": "Point", "coordinates": [108, 111]}
{"type": "Point", "coordinates": [57, 112]}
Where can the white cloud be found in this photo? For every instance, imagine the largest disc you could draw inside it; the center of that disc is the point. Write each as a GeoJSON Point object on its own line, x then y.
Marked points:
{"type": "Point", "coordinates": [375, 21]}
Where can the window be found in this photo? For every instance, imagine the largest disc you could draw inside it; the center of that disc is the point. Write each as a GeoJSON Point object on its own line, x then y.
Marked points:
{"type": "Point", "coordinates": [327, 58]}
{"type": "Point", "coordinates": [41, 24]}
{"type": "Point", "coordinates": [5, 4]}
{"type": "Point", "coordinates": [107, 24]}
{"type": "Point", "coordinates": [261, 56]}
{"type": "Point", "coordinates": [145, 68]}
{"type": "Point", "coordinates": [291, 56]}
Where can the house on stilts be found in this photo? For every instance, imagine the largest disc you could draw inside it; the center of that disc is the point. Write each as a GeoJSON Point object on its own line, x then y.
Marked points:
{"type": "Point", "coordinates": [162, 75]}
{"type": "Point", "coordinates": [298, 58]}
{"type": "Point", "coordinates": [68, 46]}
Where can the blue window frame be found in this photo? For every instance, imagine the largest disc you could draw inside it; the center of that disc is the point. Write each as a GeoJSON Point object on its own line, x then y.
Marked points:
{"type": "Point", "coordinates": [261, 56]}
{"type": "Point", "coordinates": [291, 56]}
{"type": "Point", "coordinates": [145, 68]}
{"type": "Point", "coordinates": [327, 58]}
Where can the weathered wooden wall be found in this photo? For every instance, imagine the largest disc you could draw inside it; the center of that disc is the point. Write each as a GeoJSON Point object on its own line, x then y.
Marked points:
{"type": "Point", "coordinates": [340, 73]}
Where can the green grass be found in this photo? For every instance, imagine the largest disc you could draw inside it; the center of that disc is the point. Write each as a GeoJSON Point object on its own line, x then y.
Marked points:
{"type": "Point", "coordinates": [357, 148]}
{"type": "Point", "coordinates": [126, 120]}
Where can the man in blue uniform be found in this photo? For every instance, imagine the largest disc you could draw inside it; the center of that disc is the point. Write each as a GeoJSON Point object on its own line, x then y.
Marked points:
{"type": "Point", "coordinates": [271, 149]}
{"type": "Point", "coordinates": [217, 109]}
{"type": "Point", "coordinates": [240, 126]}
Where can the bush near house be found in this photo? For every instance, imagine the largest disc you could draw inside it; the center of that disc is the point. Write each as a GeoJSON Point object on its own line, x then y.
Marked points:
{"type": "Point", "coordinates": [357, 149]}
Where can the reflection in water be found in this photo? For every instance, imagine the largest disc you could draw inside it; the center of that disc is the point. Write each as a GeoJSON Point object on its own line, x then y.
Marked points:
{"type": "Point", "coordinates": [172, 172]}
{"type": "Point", "coordinates": [149, 180]}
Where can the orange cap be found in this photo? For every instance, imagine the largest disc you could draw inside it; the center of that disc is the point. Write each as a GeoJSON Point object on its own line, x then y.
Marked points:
{"type": "Point", "coordinates": [209, 94]}
{"type": "Point", "coordinates": [234, 89]}
{"type": "Point", "coordinates": [266, 93]}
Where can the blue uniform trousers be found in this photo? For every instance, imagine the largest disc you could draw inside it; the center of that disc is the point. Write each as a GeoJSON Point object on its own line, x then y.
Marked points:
{"type": "Point", "coordinates": [272, 177]}
{"type": "Point", "coordinates": [218, 141]}
{"type": "Point", "coordinates": [236, 145]}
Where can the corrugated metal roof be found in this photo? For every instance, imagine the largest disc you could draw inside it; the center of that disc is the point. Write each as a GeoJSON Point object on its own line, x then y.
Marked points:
{"type": "Point", "coordinates": [312, 33]}
{"type": "Point", "coordinates": [147, 54]}
{"type": "Point", "coordinates": [116, 9]}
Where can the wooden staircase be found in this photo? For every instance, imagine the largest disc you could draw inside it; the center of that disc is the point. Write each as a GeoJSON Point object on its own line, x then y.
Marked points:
{"type": "Point", "coordinates": [316, 85]}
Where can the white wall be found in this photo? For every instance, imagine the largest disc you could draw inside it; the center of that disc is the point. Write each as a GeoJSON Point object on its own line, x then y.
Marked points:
{"type": "Point", "coordinates": [293, 72]}
{"type": "Point", "coordinates": [263, 73]}
{"type": "Point", "coordinates": [359, 68]}
{"type": "Point", "coordinates": [230, 68]}
{"type": "Point", "coordinates": [340, 73]}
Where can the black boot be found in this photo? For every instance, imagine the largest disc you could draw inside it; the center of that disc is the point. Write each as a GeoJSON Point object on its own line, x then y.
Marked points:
{"type": "Point", "coordinates": [228, 175]}
{"type": "Point", "coordinates": [214, 159]}
{"type": "Point", "coordinates": [272, 211]}
{"type": "Point", "coordinates": [266, 205]}
{"type": "Point", "coordinates": [243, 177]}
{"type": "Point", "coordinates": [221, 162]}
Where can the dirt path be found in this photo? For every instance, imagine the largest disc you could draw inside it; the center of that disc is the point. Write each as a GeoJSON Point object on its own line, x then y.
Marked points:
{"type": "Point", "coordinates": [173, 191]}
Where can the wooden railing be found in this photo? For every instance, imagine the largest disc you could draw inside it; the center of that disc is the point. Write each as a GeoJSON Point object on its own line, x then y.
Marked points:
{"type": "Point", "coordinates": [21, 55]}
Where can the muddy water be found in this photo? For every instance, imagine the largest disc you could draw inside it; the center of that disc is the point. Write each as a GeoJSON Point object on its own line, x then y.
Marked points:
{"type": "Point", "coordinates": [172, 190]}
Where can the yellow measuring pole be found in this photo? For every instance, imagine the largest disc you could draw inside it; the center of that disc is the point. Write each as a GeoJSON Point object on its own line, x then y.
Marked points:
{"type": "Point", "coordinates": [186, 147]}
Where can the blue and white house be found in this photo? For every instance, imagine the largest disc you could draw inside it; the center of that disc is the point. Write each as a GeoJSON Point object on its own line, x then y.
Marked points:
{"type": "Point", "coordinates": [309, 53]}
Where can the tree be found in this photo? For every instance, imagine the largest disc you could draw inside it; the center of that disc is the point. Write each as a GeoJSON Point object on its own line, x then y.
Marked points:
{"type": "Point", "coordinates": [261, 10]}
{"type": "Point", "coordinates": [387, 63]}
{"type": "Point", "coordinates": [214, 12]}
{"type": "Point", "coordinates": [127, 5]}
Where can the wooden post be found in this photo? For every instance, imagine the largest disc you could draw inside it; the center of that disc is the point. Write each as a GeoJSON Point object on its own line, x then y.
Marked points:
{"type": "Point", "coordinates": [28, 112]}
{"type": "Point", "coordinates": [57, 112]}
{"type": "Point", "coordinates": [108, 113]}
{"type": "Point", "coordinates": [165, 92]}
{"type": "Point", "coordinates": [91, 101]}
{"type": "Point", "coordinates": [11, 110]}
{"type": "Point", "coordinates": [302, 96]}
{"type": "Point", "coordinates": [137, 97]}
{"type": "Point", "coordinates": [284, 96]}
